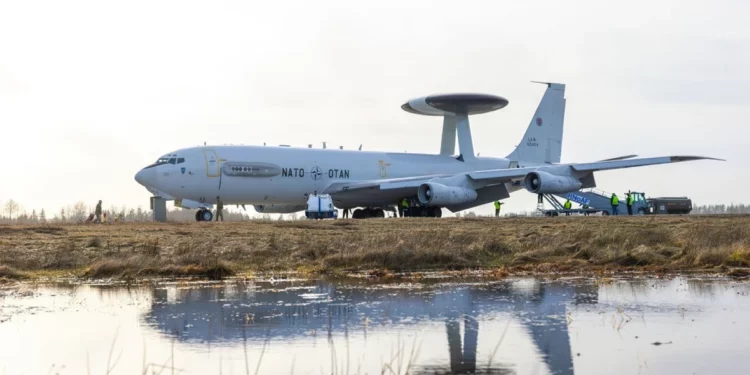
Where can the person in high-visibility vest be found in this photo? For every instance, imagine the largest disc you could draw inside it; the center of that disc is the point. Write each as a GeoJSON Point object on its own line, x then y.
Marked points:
{"type": "Point", "coordinates": [567, 206]}
{"type": "Point", "coordinates": [629, 201]}
{"type": "Point", "coordinates": [615, 203]}
{"type": "Point", "coordinates": [497, 208]}
{"type": "Point", "coordinates": [403, 207]}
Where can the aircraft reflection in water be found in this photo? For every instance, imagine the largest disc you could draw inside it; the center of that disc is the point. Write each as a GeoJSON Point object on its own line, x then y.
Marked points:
{"type": "Point", "coordinates": [289, 311]}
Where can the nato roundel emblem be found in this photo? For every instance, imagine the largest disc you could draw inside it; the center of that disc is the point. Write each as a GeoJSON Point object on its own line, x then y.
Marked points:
{"type": "Point", "coordinates": [316, 173]}
{"type": "Point", "coordinates": [538, 121]}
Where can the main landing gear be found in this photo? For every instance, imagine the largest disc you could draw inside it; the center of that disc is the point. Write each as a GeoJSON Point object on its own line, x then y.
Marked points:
{"type": "Point", "coordinates": [366, 213]}
{"type": "Point", "coordinates": [423, 212]}
{"type": "Point", "coordinates": [203, 215]}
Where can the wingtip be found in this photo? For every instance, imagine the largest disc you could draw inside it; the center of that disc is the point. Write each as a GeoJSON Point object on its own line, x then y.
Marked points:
{"type": "Point", "coordinates": [675, 159]}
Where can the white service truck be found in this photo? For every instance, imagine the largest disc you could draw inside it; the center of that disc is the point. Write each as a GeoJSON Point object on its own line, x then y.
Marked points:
{"type": "Point", "coordinates": [320, 206]}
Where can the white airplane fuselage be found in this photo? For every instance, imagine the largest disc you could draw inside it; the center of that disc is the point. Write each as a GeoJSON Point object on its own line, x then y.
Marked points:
{"type": "Point", "coordinates": [207, 172]}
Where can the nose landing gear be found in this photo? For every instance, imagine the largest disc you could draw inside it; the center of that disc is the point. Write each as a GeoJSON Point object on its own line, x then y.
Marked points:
{"type": "Point", "coordinates": [203, 215]}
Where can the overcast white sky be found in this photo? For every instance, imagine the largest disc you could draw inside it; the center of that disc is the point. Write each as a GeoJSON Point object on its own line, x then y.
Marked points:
{"type": "Point", "coordinates": [92, 91]}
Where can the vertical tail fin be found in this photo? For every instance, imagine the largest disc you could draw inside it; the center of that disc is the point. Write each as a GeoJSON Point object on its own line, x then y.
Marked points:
{"type": "Point", "coordinates": [542, 142]}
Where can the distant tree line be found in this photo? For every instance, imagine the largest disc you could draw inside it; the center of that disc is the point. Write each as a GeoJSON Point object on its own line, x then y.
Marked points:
{"type": "Point", "coordinates": [13, 212]}
{"type": "Point", "coordinates": [721, 209]}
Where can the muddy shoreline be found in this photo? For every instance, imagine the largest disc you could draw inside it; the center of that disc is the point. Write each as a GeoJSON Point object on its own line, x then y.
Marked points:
{"type": "Point", "coordinates": [491, 248]}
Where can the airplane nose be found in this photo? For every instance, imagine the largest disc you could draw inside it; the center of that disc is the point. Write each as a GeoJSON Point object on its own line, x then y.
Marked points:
{"type": "Point", "coordinates": [143, 177]}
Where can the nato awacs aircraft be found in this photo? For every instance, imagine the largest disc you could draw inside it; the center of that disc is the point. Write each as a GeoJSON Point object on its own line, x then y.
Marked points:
{"type": "Point", "coordinates": [278, 179]}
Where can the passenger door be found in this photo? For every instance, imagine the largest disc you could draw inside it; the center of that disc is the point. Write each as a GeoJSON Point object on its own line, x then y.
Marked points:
{"type": "Point", "coordinates": [212, 163]}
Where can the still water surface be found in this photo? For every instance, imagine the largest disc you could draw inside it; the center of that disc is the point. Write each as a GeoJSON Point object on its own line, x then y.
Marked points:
{"type": "Point", "coordinates": [515, 326]}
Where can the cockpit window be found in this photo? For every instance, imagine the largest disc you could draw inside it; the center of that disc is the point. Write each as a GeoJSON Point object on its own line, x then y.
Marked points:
{"type": "Point", "coordinates": [160, 161]}
{"type": "Point", "coordinates": [173, 161]}
{"type": "Point", "coordinates": [180, 160]}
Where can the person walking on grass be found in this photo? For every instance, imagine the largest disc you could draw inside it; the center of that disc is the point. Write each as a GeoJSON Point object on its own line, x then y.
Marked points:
{"type": "Point", "coordinates": [98, 213]}
{"type": "Point", "coordinates": [615, 203]}
{"type": "Point", "coordinates": [498, 204]}
{"type": "Point", "coordinates": [629, 199]}
{"type": "Point", "coordinates": [219, 209]}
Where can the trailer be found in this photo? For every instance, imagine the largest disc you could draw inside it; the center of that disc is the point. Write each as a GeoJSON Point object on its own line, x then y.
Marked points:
{"type": "Point", "coordinates": [670, 205]}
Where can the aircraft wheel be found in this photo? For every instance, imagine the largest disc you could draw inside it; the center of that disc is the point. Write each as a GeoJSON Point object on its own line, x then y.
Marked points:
{"type": "Point", "coordinates": [379, 213]}
{"type": "Point", "coordinates": [198, 215]}
{"type": "Point", "coordinates": [206, 215]}
{"type": "Point", "coordinates": [605, 213]}
{"type": "Point", "coordinates": [357, 214]}
{"type": "Point", "coordinates": [436, 212]}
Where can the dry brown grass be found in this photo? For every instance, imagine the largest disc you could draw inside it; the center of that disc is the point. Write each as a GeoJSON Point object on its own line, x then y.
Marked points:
{"type": "Point", "coordinates": [539, 245]}
{"type": "Point", "coordinates": [7, 273]}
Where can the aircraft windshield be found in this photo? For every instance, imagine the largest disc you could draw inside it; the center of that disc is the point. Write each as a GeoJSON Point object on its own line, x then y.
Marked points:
{"type": "Point", "coordinates": [166, 160]}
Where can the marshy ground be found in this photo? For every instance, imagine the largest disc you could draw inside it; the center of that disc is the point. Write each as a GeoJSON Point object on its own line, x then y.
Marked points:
{"type": "Point", "coordinates": [498, 247]}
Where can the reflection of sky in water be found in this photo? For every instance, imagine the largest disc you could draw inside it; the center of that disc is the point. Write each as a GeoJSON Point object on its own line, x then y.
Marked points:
{"type": "Point", "coordinates": [356, 326]}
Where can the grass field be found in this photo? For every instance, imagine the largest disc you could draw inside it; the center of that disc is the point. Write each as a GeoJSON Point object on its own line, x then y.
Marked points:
{"type": "Point", "coordinates": [569, 245]}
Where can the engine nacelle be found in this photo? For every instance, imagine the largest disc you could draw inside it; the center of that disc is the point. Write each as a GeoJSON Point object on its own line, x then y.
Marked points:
{"type": "Point", "coordinates": [547, 183]}
{"type": "Point", "coordinates": [278, 208]}
{"type": "Point", "coordinates": [434, 194]}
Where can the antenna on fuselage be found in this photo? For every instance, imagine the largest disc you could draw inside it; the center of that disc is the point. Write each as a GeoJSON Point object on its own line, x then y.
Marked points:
{"type": "Point", "coordinates": [341, 147]}
{"type": "Point", "coordinates": [204, 143]}
{"type": "Point", "coordinates": [360, 147]}
{"type": "Point", "coordinates": [455, 110]}
{"type": "Point", "coordinates": [324, 145]}
{"type": "Point", "coordinates": [309, 145]}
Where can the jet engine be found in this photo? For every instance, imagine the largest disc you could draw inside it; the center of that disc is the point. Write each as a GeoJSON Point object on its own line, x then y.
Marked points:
{"type": "Point", "coordinates": [434, 194]}
{"type": "Point", "coordinates": [278, 208]}
{"type": "Point", "coordinates": [546, 183]}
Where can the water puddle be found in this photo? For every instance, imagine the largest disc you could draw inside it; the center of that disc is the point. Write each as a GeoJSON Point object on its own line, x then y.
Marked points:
{"type": "Point", "coordinates": [515, 326]}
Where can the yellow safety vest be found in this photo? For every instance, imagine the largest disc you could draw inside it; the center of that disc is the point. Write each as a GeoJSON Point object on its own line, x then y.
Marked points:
{"type": "Point", "coordinates": [615, 200]}
{"type": "Point", "coordinates": [404, 203]}
{"type": "Point", "coordinates": [497, 205]}
{"type": "Point", "coordinates": [568, 205]}
{"type": "Point", "coordinates": [630, 200]}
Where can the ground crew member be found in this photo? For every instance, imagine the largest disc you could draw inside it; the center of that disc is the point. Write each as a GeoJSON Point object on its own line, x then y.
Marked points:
{"type": "Point", "coordinates": [567, 206]}
{"type": "Point", "coordinates": [98, 212]}
{"type": "Point", "coordinates": [403, 207]}
{"type": "Point", "coordinates": [615, 203]}
{"type": "Point", "coordinates": [219, 209]}
{"type": "Point", "coordinates": [629, 201]}
{"type": "Point", "coordinates": [585, 207]}
{"type": "Point", "coordinates": [497, 208]}
{"type": "Point", "coordinates": [346, 213]}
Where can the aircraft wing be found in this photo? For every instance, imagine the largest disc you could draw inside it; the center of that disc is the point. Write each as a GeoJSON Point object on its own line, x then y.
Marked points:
{"type": "Point", "coordinates": [490, 182]}
{"type": "Point", "coordinates": [630, 163]}
{"type": "Point", "coordinates": [390, 184]}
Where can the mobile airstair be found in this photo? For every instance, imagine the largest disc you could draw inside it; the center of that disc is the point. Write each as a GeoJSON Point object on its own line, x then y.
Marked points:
{"type": "Point", "coordinates": [596, 201]}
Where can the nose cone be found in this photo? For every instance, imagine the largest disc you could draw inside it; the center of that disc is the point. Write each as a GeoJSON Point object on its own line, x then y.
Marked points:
{"type": "Point", "coordinates": [145, 177]}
